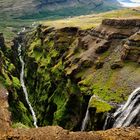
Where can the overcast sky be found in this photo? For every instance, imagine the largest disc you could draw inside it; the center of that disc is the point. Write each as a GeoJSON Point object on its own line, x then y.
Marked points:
{"type": "Point", "coordinates": [134, 3]}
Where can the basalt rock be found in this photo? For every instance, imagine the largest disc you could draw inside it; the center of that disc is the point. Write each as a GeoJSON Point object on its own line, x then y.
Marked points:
{"type": "Point", "coordinates": [125, 23]}
{"type": "Point", "coordinates": [2, 42]}
{"type": "Point", "coordinates": [131, 49]}
{"type": "Point", "coordinates": [117, 64]}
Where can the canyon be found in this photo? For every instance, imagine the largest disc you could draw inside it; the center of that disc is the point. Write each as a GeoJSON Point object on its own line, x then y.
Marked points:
{"type": "Point", "coordinates": [63, 69]}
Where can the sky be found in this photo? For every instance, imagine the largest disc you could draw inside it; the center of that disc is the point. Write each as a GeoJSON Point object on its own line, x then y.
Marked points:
{"type": "Point", "coordinates": [133, 3]}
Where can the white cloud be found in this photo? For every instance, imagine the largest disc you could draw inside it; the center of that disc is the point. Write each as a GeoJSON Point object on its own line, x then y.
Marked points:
{"type": "Point", "coordinates": [134, 3]}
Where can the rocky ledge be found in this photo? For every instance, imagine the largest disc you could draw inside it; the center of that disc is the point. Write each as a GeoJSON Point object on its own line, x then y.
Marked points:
{"type": "Point", "coordinates": [57, 133]}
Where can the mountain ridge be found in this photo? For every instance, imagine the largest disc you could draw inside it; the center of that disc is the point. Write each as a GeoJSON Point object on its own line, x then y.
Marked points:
{"type": "Point", "coordinates": [45, 8]}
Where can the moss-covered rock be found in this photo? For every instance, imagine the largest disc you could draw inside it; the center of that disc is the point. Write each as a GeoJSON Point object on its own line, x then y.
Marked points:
{"type": "Point", "coordinates": [100, 105]}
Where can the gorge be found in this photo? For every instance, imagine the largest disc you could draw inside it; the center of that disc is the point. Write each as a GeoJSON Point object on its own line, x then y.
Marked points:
{"type": "Point", "coordinates": [70, 72]}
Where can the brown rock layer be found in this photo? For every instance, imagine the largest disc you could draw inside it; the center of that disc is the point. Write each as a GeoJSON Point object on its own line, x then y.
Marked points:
{"type": "Point", "coordinates": [57, 133]}
{"type": "Point", "coordinates": [4, 113]}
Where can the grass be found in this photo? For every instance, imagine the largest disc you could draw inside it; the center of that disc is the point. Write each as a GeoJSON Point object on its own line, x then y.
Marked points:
{"type": "Point", "coordinates": [92, 20]}
{"type": "Point", "coordinates": [101, 106]}
{"type": "Point", "coordinates": [19, 125]}
{"type": "Point", "coordinates": [10, 27]}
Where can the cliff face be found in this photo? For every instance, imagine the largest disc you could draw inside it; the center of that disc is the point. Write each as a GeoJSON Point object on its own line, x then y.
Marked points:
{"type": "Point", "coordinates": [64, 67]}
{"type": "Point", "coordinates": [5, 121]}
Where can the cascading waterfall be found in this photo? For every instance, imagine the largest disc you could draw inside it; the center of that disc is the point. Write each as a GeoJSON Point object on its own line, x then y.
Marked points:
{"type": "Point", "coordinates": [87, 116]}
{"type": "Point", "coordinates": [109, 121]}
{"type": "Point", "coordinates": [85, 121]}
{"type": "Point", "coordinates": [128, 113]}
{"type": "Point", "coordinates": [24, 87]}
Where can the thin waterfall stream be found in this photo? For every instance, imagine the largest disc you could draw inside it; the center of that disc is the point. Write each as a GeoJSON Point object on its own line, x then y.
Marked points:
{"type": "Point", "coordinates": [87, 116]}
{"type": "Point", "coordinates": [24, 87]}
{"type": "Point", "coordinates": [85, 121]}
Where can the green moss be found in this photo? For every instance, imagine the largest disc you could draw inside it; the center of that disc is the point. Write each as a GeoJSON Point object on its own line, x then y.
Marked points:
{"type": "Point", "coordinates": [85, 85]}
{"type": "Point", "coordinates": [50, 44]}
{"type": "Point", "coordinates": [8, 81]}
{"type": "Point", "coordinates": [53, 53]}
{"type": "Point", "coordinates": [100, 106]}
{"type": "Point", "coordinates": [3, 81]}
{"type": "Point", "coordinates": [19, 111]}
{"type": "Point", "coordinates": [19, 125]}
{"type": "Point", "coordinates": [35, 43]}
{"type": "Point", "coordinates": [10, 66]}
{"type": "Point", "coordinates": [107, 94]}
{"type": "Point", "coordinates": [16, 82]}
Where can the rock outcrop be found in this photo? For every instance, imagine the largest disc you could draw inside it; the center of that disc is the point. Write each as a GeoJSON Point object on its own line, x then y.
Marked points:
{"type": "Point", "coordinates": [2, 42]}
{"type": "Point", "coordinates": [131, 49]}
{"type": "Point", "coordinates": [5, 120]}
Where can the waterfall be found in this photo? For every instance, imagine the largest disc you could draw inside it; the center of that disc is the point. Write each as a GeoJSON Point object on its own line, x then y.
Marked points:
{"type": "Point", "coordinates": [24, 87]}
{"type": "Point", "coordinates": [129, 112]}
{"type": "Point", "coordinates": [108, 121]}
{"type": "Point", "coordinates": [87, 116]}
{"type": "Point", "coordinates": [85, 121]}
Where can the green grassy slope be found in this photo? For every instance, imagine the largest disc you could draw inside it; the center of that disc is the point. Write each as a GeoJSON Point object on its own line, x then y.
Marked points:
{"type": "Point", "coordinates": [15, 14]}
{"type": "Point", "coordinates": [53, 9]}
{"type": "Point", "coordinates": [93, 20]}
{"type": "Point", "coordinates": [11, 27]}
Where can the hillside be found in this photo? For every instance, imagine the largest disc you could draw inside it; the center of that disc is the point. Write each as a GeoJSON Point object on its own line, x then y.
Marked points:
{"type": "Point", "coordinates": [93, 20]}
{"type": "Point", "coordinates": [34, 9]}
{"type": "Point", "coordinates": [11, 27]}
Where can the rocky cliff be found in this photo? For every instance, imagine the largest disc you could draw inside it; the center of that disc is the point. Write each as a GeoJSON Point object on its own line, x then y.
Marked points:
{"type": "Point", "coordinates": [65, 67]}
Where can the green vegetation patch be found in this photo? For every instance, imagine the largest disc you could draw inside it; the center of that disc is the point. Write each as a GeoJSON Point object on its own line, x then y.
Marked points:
{"type": "Point", "coordinates": [100, 106]}
{"type": "Point", "coordinates": [19, 125]}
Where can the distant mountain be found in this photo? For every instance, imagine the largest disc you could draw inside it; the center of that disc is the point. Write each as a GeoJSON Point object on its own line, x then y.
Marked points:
{"type": "Point", "coordinates": [33, 9]}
